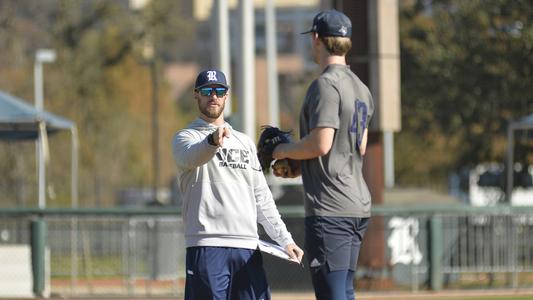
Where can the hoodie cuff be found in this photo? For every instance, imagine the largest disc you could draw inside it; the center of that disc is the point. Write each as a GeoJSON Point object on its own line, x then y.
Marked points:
{"type": "Point", "coordinates": [287, 241]}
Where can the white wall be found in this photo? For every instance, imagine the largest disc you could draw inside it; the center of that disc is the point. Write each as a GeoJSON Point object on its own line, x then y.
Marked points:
{"type": "Point", "coordinates": [15, 271]}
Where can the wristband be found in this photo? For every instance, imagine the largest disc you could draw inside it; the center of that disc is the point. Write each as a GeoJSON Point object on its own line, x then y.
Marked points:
{"type": "Point", "coordinates": [210, 140]}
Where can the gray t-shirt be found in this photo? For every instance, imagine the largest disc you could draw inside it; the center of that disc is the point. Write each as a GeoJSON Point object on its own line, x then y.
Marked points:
{"type": "Point", "coordinates": [333, 183]}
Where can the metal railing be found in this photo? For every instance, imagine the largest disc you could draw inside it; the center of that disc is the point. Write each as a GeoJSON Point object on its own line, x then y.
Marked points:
{"type": "Point", "coordinates": [128, 252]}
{"type": "Point", "coordinates": [100, 251]}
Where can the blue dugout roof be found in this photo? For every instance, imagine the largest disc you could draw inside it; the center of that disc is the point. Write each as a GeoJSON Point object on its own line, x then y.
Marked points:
{"type": "Point", "coordinates": [523, 123]}
{"type": "Point", "coordinates": [20, 120]}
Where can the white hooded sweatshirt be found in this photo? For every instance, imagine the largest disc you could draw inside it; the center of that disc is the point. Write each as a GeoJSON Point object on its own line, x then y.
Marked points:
{"type": "Point", "coordinates": [224, 190]}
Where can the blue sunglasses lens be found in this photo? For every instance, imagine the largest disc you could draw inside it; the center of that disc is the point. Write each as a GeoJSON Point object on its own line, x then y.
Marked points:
{"type": "Point", "coordinates": [206, 91]}
{"type": "Point", "coordinates": [220, 92]}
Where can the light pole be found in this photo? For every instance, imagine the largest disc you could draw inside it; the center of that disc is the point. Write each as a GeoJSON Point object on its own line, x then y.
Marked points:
{"type": "Point", "coordinates": [42, 56]}
{"type": "Point", "coordinates": [221, 56]}
{"type": "Point", "coordinates": [155, 126]}
{"type": "Point", "coordinates": [246, 83]}
{"type": "Point", "coordinates": [149, 55]}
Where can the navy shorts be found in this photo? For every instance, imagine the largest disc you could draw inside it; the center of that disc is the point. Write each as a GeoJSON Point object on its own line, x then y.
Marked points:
{"type": "Point", "coordinates": [332, 247]}
{"type": "Point", "coordinates": [224, 273]}
{"type": "Point", "coordinates": [334, 241]}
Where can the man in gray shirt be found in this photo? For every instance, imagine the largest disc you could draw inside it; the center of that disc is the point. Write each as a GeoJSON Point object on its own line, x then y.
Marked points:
{"type": "Point", "coordinates": [333, 129]}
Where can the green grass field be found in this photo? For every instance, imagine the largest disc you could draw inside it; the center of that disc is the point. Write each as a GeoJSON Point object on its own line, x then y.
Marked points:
{"type": "Point", "coordinates": [454, 297]}
{"type": "Point", "coordinates": [498, 298]}
{"type": "Point", "coordinates": [457, 295]}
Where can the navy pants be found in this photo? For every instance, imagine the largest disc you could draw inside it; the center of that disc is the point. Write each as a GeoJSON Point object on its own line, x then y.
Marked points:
{"type": "Point", "coordinates": [332, 247]}
{"type": "Point", "coordinates": [223, 273]}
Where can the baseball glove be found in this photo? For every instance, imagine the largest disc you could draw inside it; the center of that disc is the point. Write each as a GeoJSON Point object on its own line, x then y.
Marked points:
{"type": "Point", "coordinates": [268, 140]}
{"type": "Point", "coordinates": [286, 168]}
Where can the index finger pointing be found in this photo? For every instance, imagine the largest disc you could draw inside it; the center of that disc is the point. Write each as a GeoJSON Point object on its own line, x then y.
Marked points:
{"type": "Point", "coordinates": [226, 132]}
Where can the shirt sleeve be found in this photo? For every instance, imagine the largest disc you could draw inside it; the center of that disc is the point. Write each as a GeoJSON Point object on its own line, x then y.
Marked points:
{"type": "Point", "coordinates": [324, 105]}
{"type": "Point", "coordinates": [370, 112]}
{"type": "Point", "coordinates": [191, 150]}
{"type": "Point", "coordinates": [267, 212]}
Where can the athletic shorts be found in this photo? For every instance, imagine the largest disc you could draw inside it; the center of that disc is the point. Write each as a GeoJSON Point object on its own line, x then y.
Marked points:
{"type": "Point", "coordinates": [334, 241]}
{"type": "Point", "coordinates": [224, 273]}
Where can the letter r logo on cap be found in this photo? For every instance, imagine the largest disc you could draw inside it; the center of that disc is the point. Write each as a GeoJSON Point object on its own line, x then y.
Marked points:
{"type": "Point", "coordinates": [212, 75]}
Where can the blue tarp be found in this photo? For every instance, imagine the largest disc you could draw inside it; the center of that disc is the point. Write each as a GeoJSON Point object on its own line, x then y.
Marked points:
{"type": "Point", "coordinates": [523, 123]}
{"type": "Point", "coordinates": [20, 120]}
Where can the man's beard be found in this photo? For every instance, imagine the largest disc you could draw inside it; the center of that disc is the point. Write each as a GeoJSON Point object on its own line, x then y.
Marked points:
{"type": "Point", "coordinates": [211, 112]}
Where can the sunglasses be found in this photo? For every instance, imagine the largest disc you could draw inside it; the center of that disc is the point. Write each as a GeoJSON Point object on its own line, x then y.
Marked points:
{"type": "Point", "coordinates": [208, 91]}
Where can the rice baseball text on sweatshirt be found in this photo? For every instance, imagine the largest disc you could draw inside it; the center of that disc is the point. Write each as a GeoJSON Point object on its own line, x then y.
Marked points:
{"type": "Point", "coordinates": [225, 193]}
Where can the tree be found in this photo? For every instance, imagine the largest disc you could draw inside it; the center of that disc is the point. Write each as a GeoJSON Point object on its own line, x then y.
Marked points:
{"type": "Point", "coordinates": [101, 81]}
{"type": "Point", "coordinates": [467, 68]}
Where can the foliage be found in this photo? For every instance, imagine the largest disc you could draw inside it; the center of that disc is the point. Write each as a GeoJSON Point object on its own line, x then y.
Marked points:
{"type": "Point", "coordinates": [467, 69]}
{"type": "Point", "coordinates": [102, 81]}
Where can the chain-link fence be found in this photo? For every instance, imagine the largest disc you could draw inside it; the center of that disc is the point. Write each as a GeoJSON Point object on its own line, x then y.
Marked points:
{"type": "Point", "coordinates": [108, 255]}
{"type": "Point", "coordinates": [126, 253]}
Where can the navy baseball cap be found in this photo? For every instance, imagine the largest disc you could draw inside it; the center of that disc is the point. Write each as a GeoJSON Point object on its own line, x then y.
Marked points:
{"type": "Point", "coordinates": [331, 23]}
{"type": "Point", "coordinates": [212, 76]}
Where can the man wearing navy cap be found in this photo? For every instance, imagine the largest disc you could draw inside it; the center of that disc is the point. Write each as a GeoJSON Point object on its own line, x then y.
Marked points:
{"type": "Point", "coordinates": [333, 129]}
{"type": "Point", "coordinates": [225, 196]}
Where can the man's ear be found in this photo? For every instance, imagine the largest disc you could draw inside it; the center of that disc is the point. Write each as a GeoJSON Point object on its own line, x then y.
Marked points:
{"type": "Point", "coordinates": [316, 39]}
